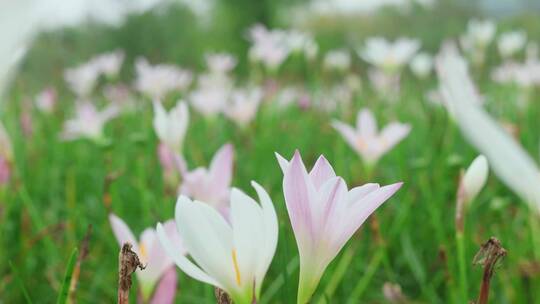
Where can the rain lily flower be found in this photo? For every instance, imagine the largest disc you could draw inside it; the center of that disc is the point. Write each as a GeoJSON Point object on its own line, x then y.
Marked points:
{"type": "Point", "coordinates": [324, 214]}
{"type": "Point", "coordinates": [150, 252]}
{"type": "Point", "coordinates": [6, 156]}
{"type": "Point", "coordinates": [82, 79]}
{"type": "Point", "coordinates": [171, 127]}
{"type": "Point", "coordinates": [88, 122]}
{"type": "Point", "coordinates": [171, 130]}
{"type": "Point", "coordinates": [477, 38]}
{"type": "Point", "coordinates": [158, 80]}
{"type": "Point", "coordinates": [232, 255]}
{"type": "Point", "coordinates": [220, 62]}
{"type": "Point", "coordinates": [506, 157]}
{"type": "Point", "coordinates": [510, 43]}
{"type": "Point", "coordinates": [211, 185]}
{"type": "Point", "coordinates": [339, 60]}
{"type": "Point", "coordinates": [109, 64]}
{"type": "Point", "coordinates": [268, 46]}
{"type": "Point", "coordinates": [367, 141]}
{"type": "Point", "coordinates": [45, 101]}
{"type": "Point", "coordinates": [525, 75]}
{"type": "Point", "coordinates": [474, 179]}
{"type": "Point", "coordinates": [211, 94]}
{"type": "Point", "coordinates": [421, 65]}
{"type": "Point", "coordinates": [120, 95]}
{"type": "Point", "coordinates": [243, 105]}
{"type": "Point", "coordinates": [389, 56]}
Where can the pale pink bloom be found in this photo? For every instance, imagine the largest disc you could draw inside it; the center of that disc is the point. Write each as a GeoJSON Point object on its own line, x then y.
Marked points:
{"type": "Point", "coordinates": [324, 214]}
{"type": "Point", "coordinates": [158, 80]}
{"type": "Point", "coordinates": [165, 291]}
{"type": "Point", "coordinates": [150, 252]}
{"type": "Point", "coordinates": [82, 79]}
{"type": "Point", "coordinates": [268, 46]}
{"type": "Point", "coordinates": [385, 84]}
{"type": "Point", "coordinates": [220, 62]}
{"type": "Point", "coordinates": [211, 185]}
{"type": "Point", "coordinates": [120, 95]}
{"type": "Point", "coordinates": [211, 94]}
{"type": "Point", "coordinates": [6, 156]}
{"type": "Point", "coordinates": [232, 253]}
{"type": "Point", "coordinates": [525, 74]}
{"type": "Point", "coordinates": [243, 105]}
{"type": "Point", "coordinates": [389, 56]}
{"type": "Point", "coordinates": [421, 65]}
{"type": "Point", "coordinates": [510, 43]}
{"type": "Point", "coordinates": [339, 60]}
{"type": "Point", "coordinates": [109, 64]}
{"type": "Point", "coordinates": [45, 100]}
{"type": "Point", "coordinates": [367, 141]}
{"type": "Point", "coordinates": [171, 127]}
{"type": "Point", "coordinates": [88, 121]}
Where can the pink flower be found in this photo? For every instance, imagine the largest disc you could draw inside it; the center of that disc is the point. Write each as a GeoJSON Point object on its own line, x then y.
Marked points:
{"type": "Point", "coordinates": [158, 80]}
{"type": "Point", "coordinates": [211, 94]}
{"type": "Point", "coordinates": [151, 253]}
{"type": "Point", "coordinates": [6, 156]}
{"type": "Point", "coordinates": [243, 105]}
{"type": "Point", "coordinates": [220, 62]}
{"type": "Point", "coordinates": [211, 185]}
{"type": "Point", "coordinates": [324, 214]}
{"type": "Point", "coordinates": [367, 141]}
{"type": "Point", "coordinates": [46, 100]}
{"type": "Point", "coordinates": [88, 122]}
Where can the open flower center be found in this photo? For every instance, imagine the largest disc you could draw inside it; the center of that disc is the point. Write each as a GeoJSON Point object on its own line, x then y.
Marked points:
{"type": "Point", "coordinates": [236, 268]}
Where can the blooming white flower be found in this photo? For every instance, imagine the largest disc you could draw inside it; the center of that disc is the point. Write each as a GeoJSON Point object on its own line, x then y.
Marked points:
{"type": "Point", "coordinates": [109, 64]}
{"type": "Point", "coordinates": [220, 62]}
{"type": "Point", "coordinates": [88, 121]}
{"type": "Point", "coordinates": [158, 80]}
{"type": "Point", "coordinates": [269, 47]}
{"type": "Point", "coordinates": [171, 127]}
{"type": "Point", "coordinates": [211, 94]}
{"type": "Point", "coordinates": [389, 56]}
{"type": "Point", "coordinates": [510, 43]}
{"type": "Point", "coordinates": [233, 255]}
{"type": "Point", "coordinates": [243, 105]}
{"type": "Point", "coordinates": [339, 60]}
{"type": "Point", "coordinates": [421, 65]}
{"type": "Point", "coordinates": [367, 141]}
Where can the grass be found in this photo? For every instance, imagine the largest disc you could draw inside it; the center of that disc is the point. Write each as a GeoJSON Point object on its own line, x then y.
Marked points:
{"type": "Point", "coordinates": [59, 188]}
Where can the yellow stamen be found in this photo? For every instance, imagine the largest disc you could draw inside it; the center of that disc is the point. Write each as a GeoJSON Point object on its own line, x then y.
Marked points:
{"type": "Point", "coordinates": [236, 269]}
{"type": "Point", "coordinates": [144, 253]}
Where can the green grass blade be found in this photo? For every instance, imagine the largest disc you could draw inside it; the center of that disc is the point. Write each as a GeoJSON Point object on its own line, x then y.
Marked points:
{"type": "Point", "coordinates": [21, 284]}
{"type": "Point", "coordinates": [62, 297]}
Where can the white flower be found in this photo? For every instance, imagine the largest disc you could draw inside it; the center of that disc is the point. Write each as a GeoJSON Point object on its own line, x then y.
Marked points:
{"type": "Point", "coordinates": [158, 80]}
{"type": "Point", "coordinates": [388, 56]}
{"type": "Point", "coordinates": [88, 122]}
{"type": "Point", "coordinates": [268, 47]}
{"type": "Point", "coordinates": [109, 63]}
{"type": "Point", "coordinates": [366, 140]}
{"type": "Point", "coordinates": [171, 127]}
{"type": "Point", "coordinates": [82, 79]}
{"type": "Point", "coordinates": [475, 178]}
{"type": "Point", "coordinates": [337, 60]}
{"type": "Point", "coordinates": [421, 65]}
{"type": "Point", "coordinates": [211, 94]}
{"type": "Point", "coordinates": [243, 105]}
{"type": "Point", "coordinates": [232, 255]}
{"type": "Point", "coordinates": [220, 62]}
{"type": "Point", "coordinates": [510, 43]}
{"type": "Point", "coordinates": [480, 33]}
{"type": "Point", "coordinates": [508, 159]}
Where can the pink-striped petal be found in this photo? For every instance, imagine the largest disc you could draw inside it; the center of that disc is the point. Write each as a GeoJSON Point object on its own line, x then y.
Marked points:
{"type": "Point", "coordinates": [166, 289]}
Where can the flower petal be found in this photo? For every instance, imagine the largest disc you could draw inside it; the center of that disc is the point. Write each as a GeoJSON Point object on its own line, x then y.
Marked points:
{"type": "Point", "coordinates": [321, 172]}
{"type": "Point", "coordinates": [122, 232]}
{"type": "Point", "coordinates": [221, 167]}
{"type": "Point", "coordinates": [166, 289]}
{"type": "Point", "coordinates": [181, 261]}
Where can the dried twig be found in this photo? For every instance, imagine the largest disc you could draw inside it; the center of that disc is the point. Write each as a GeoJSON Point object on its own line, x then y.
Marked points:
{"type": "Point", "coordinates": [222, 297]}
{"type": "Point", "coordinates": [128, 261]}
{"type": "Point", "coordinates": [488, 256]}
